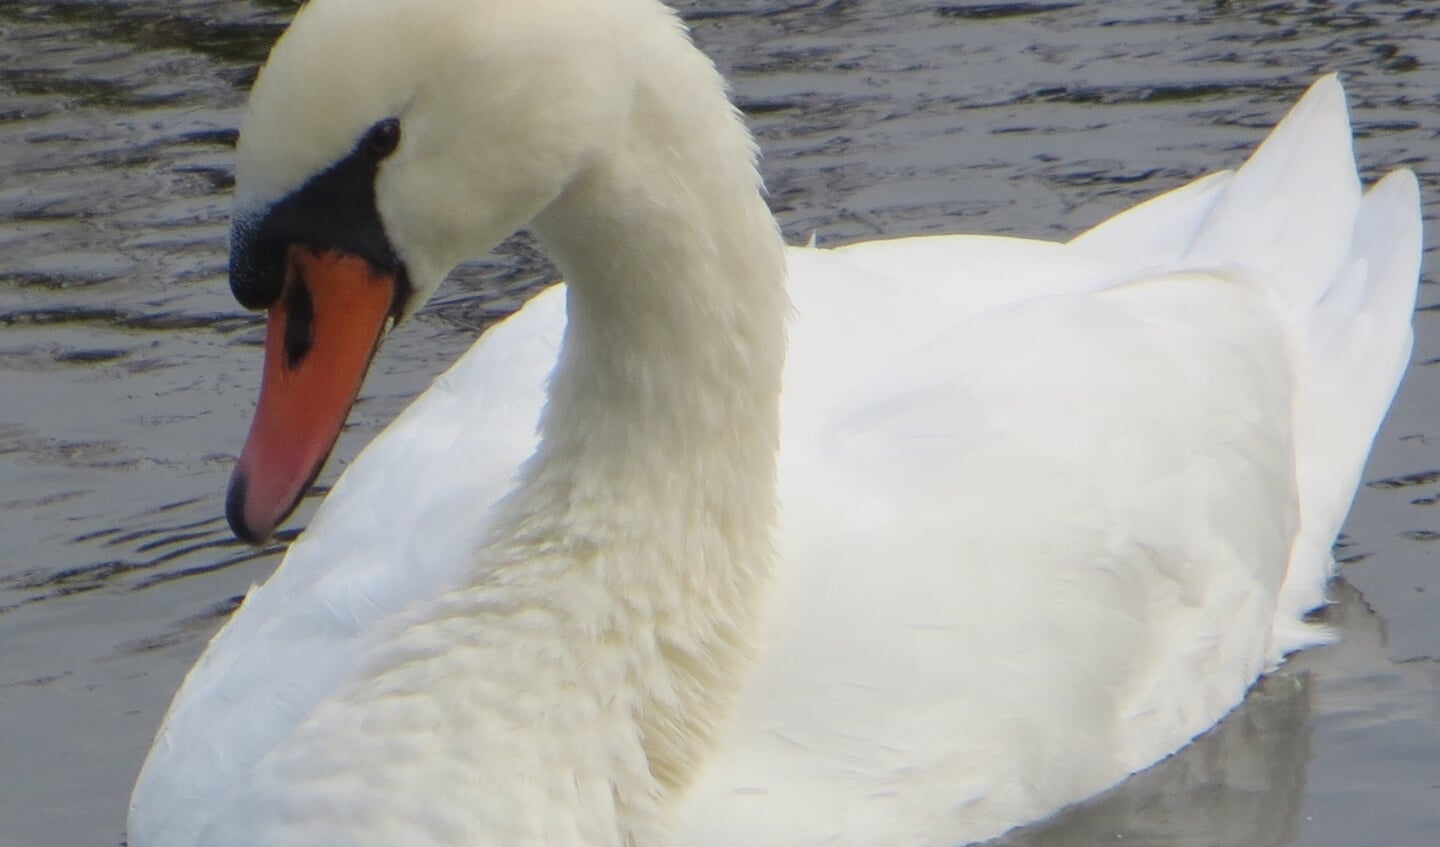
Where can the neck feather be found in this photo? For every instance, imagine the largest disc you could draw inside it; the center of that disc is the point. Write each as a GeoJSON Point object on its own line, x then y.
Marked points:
{"type": "Point", "coordinates": [651, 495]}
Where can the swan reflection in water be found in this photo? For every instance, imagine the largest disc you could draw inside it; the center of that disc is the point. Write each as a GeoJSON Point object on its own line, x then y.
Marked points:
{"type": "Point", "coordinates": [1242, 784]}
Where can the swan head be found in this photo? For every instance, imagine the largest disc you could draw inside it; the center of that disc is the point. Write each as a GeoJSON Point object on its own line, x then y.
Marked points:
{"type": "Point", "coordinates": [384, 143]}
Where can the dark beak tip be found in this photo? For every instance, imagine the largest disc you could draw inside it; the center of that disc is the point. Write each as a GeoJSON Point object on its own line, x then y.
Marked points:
{"type": "Point", "coordinates": [235, 512]}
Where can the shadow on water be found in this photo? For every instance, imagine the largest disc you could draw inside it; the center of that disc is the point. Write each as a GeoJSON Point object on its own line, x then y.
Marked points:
{"type": "Point", "coordinates": [1243, 783]}
{"type": "Point", "coordinates": [1239, 785]}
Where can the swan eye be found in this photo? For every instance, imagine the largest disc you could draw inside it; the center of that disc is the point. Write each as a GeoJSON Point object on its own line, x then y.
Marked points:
{"type": "Point", "coordinates": [381, 139]}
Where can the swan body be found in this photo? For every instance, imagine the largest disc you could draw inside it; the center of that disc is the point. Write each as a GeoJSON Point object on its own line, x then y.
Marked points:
{"type": "Point", "coordinates": [1039, 514]}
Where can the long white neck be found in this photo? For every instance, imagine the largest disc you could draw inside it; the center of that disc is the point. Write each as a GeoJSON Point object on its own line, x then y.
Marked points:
{"type": "Point", "coordinates": [656, 469]}
{"type": "Point", "coordinates": [610, 618]}
{"type": "Point", "coordinates": [667, 388]}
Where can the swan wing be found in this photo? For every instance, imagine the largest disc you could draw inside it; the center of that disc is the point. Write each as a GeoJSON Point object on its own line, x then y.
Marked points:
{"type": "Point", "coordinates": [1071, 500]}
{"type": "Point", "coordinates": [398, 528]}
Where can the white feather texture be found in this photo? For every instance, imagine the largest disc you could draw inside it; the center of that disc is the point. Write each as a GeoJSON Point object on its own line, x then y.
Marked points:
{"type": "Point", "coordinates": [1040, 513]}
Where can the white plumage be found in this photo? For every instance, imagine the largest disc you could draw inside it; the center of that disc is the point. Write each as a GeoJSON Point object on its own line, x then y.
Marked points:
{"type": "Point", "coordinates": [1045, 511]}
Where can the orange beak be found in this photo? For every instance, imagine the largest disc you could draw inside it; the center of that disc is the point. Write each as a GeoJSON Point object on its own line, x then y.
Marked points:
{"type": "Point", "coordinates": [320, 336]}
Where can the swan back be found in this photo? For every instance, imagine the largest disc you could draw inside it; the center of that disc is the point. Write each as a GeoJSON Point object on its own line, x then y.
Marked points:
{"type": "Point", "coordinates": [1154, 424]}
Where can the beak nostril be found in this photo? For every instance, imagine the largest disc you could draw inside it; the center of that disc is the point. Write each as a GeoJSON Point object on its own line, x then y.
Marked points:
{"type": "Point", "coordinates": [299, 323]}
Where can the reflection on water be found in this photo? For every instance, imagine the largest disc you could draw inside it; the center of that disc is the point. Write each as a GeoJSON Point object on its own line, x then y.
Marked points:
{"type": "Point", "coordinates": [1243, 784]}
{"type": "Point", "coordinates": [127, 374]}
{"type": "Point", "coordinates": [1240, 785]}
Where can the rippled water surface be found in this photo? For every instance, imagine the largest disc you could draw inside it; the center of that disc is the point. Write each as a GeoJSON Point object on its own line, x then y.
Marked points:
{"type": "Point", "coordinates": [127, 373]}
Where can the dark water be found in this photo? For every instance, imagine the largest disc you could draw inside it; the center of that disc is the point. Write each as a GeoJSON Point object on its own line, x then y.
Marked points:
{"type": "Point", "coordinates": [127, 374]}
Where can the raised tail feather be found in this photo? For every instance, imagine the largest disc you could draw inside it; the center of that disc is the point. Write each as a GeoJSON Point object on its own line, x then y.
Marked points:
{"type": "Point", "coordinates": [1353, 349]}
{"type": "Point", "coordinates": [1343, 270]}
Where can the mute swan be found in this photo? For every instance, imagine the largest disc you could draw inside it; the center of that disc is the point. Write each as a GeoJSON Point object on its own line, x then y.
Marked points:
{"type": "Point", "coordinates": [1041, 512]}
